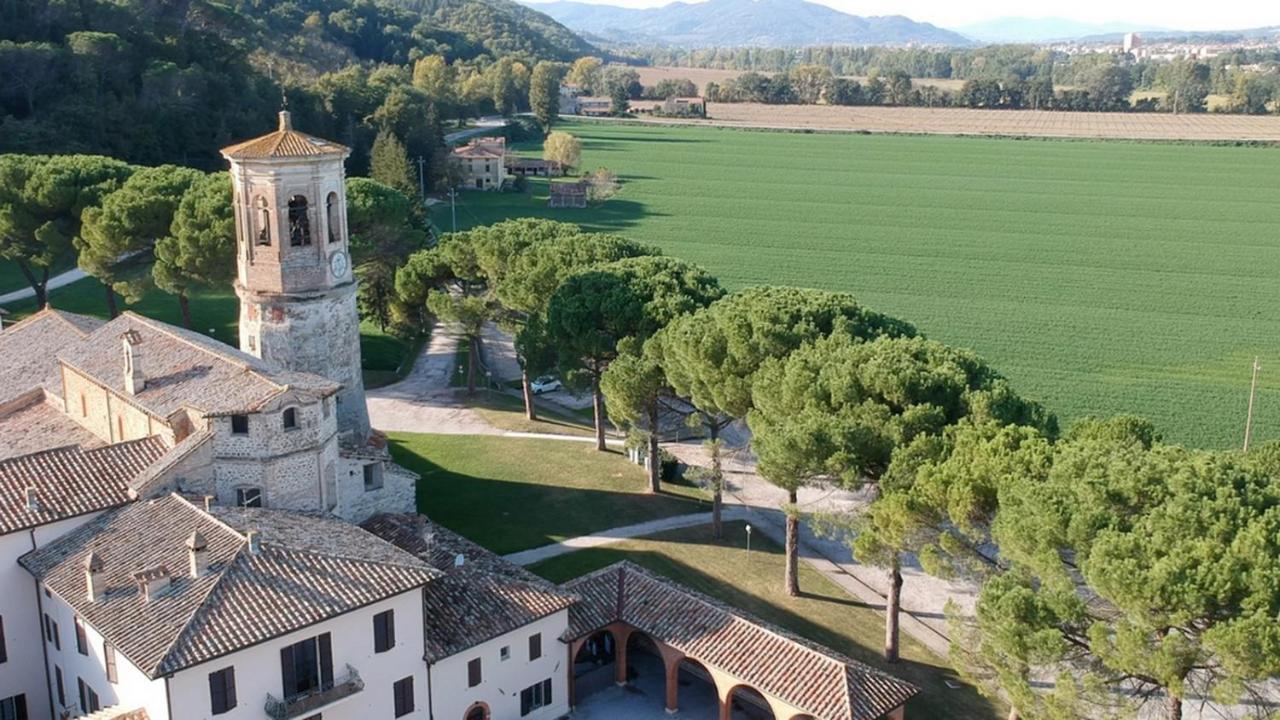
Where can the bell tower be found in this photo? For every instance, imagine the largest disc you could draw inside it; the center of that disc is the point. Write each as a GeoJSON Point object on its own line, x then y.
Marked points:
{"type": "Point", "coordinates": [294, 278]}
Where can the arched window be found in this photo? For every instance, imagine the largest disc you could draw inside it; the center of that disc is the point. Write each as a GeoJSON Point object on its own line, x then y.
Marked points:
{"type": "Point", "coordinates": [299, 222]}
{"type": "Point", "coordinates": [331, 215]}
{"type": "Point", "coordinates": [290, 419]}
{"type": "Point", "coordinates": [263, 215]}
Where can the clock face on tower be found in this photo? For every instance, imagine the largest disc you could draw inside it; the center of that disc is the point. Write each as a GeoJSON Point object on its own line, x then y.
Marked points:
{"type": "Point", "coordinates": [338, 264]}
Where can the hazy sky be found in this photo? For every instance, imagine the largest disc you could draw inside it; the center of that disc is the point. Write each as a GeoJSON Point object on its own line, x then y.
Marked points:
{"type": "Point", "coordinates": [1178, 14]}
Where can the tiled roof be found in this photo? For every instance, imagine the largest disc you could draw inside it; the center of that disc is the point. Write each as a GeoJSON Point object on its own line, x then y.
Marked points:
{"type": "Point", "coordinates": [29, 350]}
{"type": "Point", "coordinates": [486, 147]}
{"type": "Point", "coordinates": [284, 143]}
{"type": "Point", "coordinates": [71, 481]}
{"type": "Point", "coordinates": [814, 679]}
{"type": "Point", "coordinates": [37, 423]}
{"type": "Point", "coordinates": [484, 598]}
{"type": "Point", "coordinates": [309, 568]}
{"type": "Point", "coordinates": [186, 369]}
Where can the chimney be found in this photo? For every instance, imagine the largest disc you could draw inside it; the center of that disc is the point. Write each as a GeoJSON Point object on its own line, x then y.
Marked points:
{"type": "Point", "coordinates": [134, 381]}
{"type": "Point", "coordinates": [208, 502]}
{"type": "Point", "coordinates": [286, 122]}
{"type": "Point", "coordinates": [153, 582]}
{"type": "Point", "coordinates": [95, 586]}
{"type": "Point", "coordinates": [33, 503]}
{"type": "Point", "coordinates": [198, 554]}
{"type": "Point", "coordinates": [459, 560]}
{"type": "Point", "coordinates": [255, 542]}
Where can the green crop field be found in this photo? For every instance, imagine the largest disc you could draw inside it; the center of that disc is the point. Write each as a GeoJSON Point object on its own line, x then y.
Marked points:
{"type": "Point", "coordinates": [1102, 277]}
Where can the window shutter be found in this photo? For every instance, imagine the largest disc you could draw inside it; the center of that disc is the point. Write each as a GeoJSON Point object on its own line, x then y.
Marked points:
{"type": "Point", "coordinates": [326, 661]}
{"type": "Point", "coordinates": [546, 691]}
{"type": "Point", "coordinates": [526, 701]}
{"type": "Point", "coordinates": [217, 694]}
{"type": "Point", "coordinates": [4, 653]}
{"type": "Point", "coordinates": [287, 677]}
{"type": "Point", "coordinates": [230, 687]}
{"type": "Point", "coordinates": [20, 707]}
{"type": "Point", "coordinates": [109, 657]}
{"type": "Point", "coordinates": [391, 629]}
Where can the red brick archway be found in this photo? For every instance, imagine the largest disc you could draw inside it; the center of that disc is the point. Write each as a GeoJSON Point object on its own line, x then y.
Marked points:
{"type": "Point", "coordinates": [477, 711]}
{"type": "Point", "coordinates": [751, 704]}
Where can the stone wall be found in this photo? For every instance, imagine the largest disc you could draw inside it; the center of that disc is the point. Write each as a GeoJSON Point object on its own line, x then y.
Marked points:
{"type": "Point", "coordinates": [106, 413]}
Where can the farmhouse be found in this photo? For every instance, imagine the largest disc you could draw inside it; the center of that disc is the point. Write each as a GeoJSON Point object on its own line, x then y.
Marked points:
{"type": "Point", "coordinates": [567, 195]}
{"type": "Point", "coordinates": [593, 106]}
{"type": "Point", "coordinates": [189, 530]}
{"type": "Point", "coordinates": [483, 162]}
{"type": "Point", "coordinates": [685, 107]}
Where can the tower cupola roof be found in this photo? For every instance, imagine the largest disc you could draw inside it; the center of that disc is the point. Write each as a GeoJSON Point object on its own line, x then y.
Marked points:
{"type": "Point", "coordinates": [285, 142]}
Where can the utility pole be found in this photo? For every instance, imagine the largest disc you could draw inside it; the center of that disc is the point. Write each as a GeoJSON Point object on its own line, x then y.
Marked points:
{"type": "Point", "coordinates": [453, 206]}
{"type": "Point", "coordinates": [1253, 389]}
{"type": "Point", "coordinates": [422, 183]}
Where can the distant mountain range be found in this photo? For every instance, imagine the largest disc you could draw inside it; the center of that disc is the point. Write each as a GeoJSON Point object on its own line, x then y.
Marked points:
{"type": "Point", "coordinates": [771, 23]}
{"type": "Point", "coordinates": [1043, 29]}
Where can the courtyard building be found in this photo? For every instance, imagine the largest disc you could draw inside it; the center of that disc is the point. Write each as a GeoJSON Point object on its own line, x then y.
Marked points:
{"type": "Point", "coordinates": [483, 162]}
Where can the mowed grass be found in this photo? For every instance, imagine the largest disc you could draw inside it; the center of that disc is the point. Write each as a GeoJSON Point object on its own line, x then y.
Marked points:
{"type": "Point", "coordinates": [1101, 277]}
{"type": "Point", "coordinates": [511, 494]}
{"type": "Point", "coordinates": [215, 313]}
{"type": "Point", "coordinates": [752, 582]}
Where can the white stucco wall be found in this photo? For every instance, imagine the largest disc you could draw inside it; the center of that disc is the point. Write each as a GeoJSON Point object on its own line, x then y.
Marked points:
{"type": "Point", "coordinates": [24, 671]}
{"type": "Point", "coordinates": [502, 680]}
{"type": "Point", "coordinates": [257, 669]}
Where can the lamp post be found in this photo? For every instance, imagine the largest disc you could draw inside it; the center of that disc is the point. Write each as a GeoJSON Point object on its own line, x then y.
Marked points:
{"type": "Point", "coordinates": [748, 543]}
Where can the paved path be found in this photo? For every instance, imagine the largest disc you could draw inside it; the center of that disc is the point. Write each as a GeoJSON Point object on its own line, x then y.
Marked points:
{"type": "Point", "coordinates": [60, 280]}
{"type": "Point", "coordinates": [423, 402]}
{"type": "Point", "coordinates": [618, 534]}
{"type": "Point", "coordinates": [486, 124]}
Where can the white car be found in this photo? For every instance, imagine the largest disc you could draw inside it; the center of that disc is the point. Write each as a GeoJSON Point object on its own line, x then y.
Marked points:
{"type": "Point", "coordinates": [545, 384]}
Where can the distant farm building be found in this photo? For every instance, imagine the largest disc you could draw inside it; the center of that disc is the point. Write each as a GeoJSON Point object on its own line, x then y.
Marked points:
{"type": "Point", "coordinates": [592, 106]}
{"type": "Point", "coordinates": [685, 107]}
{"type": "Point", "coordinates": [533, 167]}
{"type": "Point", "coordinates": [567, 195]}
{"type": "Point", "coordinates": [483, 162]}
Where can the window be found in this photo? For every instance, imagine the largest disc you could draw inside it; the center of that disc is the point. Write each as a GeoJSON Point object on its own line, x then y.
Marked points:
{"type": "Point", "coordinates": [307, 665]}
{"type": "Point", "coordinates": [14, 708]}
{"type": "Point", "coordinates": [109, 660]}
{"type": "Point", "coordinates": [84, 406]}
{"type": "Point", "coordinates": [62, 692]}
{"type": "Point", "coordinates": [473, 673]}
{"type": "Point", "coordinates": [324, 407]}
{"type": "Point", "coordinates": [51, 632]}
{"type": "Point", "coordinates": [82, 640]}
{"type": "Point", "coordinates": [384, 631]}
{"type": "Point", "coordinates": [119, 427]}
{"type": "Point", "coordinates": [249, 497]}
{"type": "Point", "coordinates": [239, 424]}
{"type": "Point", "coordinates": [88, 698]}
{"type": "Point", "coordinates": [535, 646]}
{"type": "Point", "coordinates": [264, 221]}
{"type": "Point", "coordinates": [372, 476]}
{"type": "Point", "coordinates": [4, 652]}
{"type": "Point", "coordinates": [535, 696]}
{"type": "Point", "coordinates": [299, 222]}
{"type": "Point", "coordinates": [290, 419]}
{"type": "Point", "coordinates": [222, 690]}
{"type": "Point", "coordinates": [403, 691]}
{"type": "Point", "coordinates": [504, 653]}
{"type": "Point", "coordinates": [331, 216]}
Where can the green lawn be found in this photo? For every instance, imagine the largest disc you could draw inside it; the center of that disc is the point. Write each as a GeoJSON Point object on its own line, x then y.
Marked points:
{"type": "Point", "coordinates": [823, 613]}
{"type": "Point", "coordinates": [512, 494]}
{"type": "Point", "coordinates": [11, 278]}
{"type": "Point", "coordinates": [214, 313]}
{"type": "Point", "coordinates": [1101, 277]}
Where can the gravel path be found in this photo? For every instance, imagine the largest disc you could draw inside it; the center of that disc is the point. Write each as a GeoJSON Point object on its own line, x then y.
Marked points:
{"type": "Point", "coordinates": [423, 402]}
{"type": "Point", "coordinates": [618, 534]}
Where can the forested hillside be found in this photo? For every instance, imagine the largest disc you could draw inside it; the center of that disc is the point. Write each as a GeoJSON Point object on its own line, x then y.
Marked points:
{"type": "Point", "coordinates": [153, 81]}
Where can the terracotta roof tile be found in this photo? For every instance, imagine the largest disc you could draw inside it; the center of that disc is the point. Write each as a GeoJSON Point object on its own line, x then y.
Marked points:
{"type": "Point", "coordinates": [29, 350]}
{"type": "Point", "coordinates": [284, 143]}
{"type": "Point", "coordinates": [37, 423]}
{"type": "Point", "coordinates": [310, 568]}
{"type": "Point", "coordinates": [817, 680]}
{"type": "Point", "coordinates": [71, 481]}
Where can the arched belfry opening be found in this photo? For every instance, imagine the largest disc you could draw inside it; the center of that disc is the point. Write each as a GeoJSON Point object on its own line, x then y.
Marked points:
{"type": "Point", "coordinates": [333, 217]}
{"type": "Point", "coordinates": [299, 221]}
{"type": "Point", "coordinates": [262, 214]}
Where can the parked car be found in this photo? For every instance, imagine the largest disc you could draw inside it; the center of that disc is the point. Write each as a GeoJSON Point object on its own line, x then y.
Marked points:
{"type": "Point", "coordinates": [545, 384]}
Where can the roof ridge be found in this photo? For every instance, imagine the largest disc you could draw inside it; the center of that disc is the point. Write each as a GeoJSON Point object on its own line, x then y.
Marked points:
{"type": "Point", "coordinates": [47, 451]}
{"type": "Point", "coordinates": [48, 311]}
{"type": "Point", "coordinates": [168, 330]}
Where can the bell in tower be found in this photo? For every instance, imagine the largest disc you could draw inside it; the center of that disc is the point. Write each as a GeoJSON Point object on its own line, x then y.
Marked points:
{"type": "Point", "coordinates": [294, 280]}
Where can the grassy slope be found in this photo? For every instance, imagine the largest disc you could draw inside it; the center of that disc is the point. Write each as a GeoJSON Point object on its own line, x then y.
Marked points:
{"type": "Point", "coordinates": [214, 313]}
{"type": "Point", "coordinates": [513, 494]}
{"type": "Point", "coordinates": [823, 613]}
{"type": "Point", "coordinates": [1101, 277]}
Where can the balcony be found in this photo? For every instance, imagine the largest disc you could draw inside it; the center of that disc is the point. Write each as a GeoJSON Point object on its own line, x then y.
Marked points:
{"type": "Point", "coordinates": [313, 701]}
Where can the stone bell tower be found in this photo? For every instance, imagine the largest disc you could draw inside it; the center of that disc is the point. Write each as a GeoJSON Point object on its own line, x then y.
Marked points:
{"type": "Point", "coordinates": [297, 292]}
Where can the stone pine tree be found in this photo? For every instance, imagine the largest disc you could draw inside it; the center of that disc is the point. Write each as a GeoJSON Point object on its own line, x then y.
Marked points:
{"type": "Point", "coordinates": [711, 356]}
{"type": "Point", "coordinates": [634, 386]}
{"type": "Point", "coordinates": [118, 237]}
{"type": "Point", "coordinates": [199, 250]}
{"type": "Point", "coordinates": [838, 410]}
{"type": "Point", "coordinates": [1131, 570]}
{"type": "Point", "coordinates": [384, 230]}
{"type": "Point", "coordinates": [593, 311]}
{"type": "Point", "coordinates": [389, 163]}
{"type": "Point", "coordinates": [532, 277]}
{"type": "Point", "coordinates": [41, 203]}
{"type": "Point", "coordinates": [544, 93]}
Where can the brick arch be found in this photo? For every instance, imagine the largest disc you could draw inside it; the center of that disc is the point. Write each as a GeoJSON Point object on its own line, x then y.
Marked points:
{"type": "Point", "coordinates": [726, 704]}
{"type": "Point", "coordinates": [684, 662]}
{"type": "Point", "coordinates": [477, 707]}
